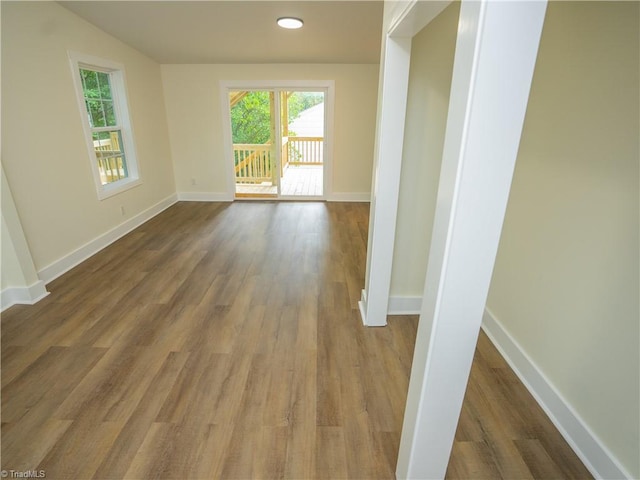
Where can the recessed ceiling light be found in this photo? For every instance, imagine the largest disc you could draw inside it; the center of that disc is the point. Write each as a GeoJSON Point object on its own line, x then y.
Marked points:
{"type": "Point", "coordinates": [290, 22]}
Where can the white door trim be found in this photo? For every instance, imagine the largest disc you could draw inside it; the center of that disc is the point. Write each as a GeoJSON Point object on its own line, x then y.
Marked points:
{"type": "Point", "coordinates": [386, 182]}
{"type": "Point", "coordinates": [394, 79]}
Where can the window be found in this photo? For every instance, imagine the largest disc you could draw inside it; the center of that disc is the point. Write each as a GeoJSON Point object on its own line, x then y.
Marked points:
{"type": "Point", "coordinates": [100, 87]}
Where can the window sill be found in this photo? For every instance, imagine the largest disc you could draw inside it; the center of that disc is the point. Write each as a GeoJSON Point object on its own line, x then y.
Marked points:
{"type": "Point", "coordinates": [111, 189]}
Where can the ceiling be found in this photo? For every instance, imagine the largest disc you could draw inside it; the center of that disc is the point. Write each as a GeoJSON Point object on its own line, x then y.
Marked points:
{"type": "Point", "coordinates": [241, 31]}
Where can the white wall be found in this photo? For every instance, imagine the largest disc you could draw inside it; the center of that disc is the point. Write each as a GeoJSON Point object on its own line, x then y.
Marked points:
{"type": "Point", "coordinates": [565, 284]}
{"type": "Point", "coordinates": [427, 104]}
{"type": "Point", "coordinates": [44, 153]}
{"type": "Point", "coordinates": [192, 96]}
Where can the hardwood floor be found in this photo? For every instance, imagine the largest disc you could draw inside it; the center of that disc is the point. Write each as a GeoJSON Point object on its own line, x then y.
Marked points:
{"type": "Point", "coordinates": [503, 433]}
{"type": "Point", "coordinates": [223, 341]}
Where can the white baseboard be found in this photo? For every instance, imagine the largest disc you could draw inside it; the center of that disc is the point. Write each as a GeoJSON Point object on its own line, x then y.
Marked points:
{"type": "Point", "coordinates": [349, 197]}
{"type": "Point", "coordinates": [22, 295]}
{"type": "Point", "coordinates": [225, 197]}
{"type": "Point", "coordinates": [595, 456]}
{"type": "Point", "coordinates": [362, 307]}
{"type": "Point", "coordinates": [404, 305]}
{"type": "Point", "coordinates": [396, 306]}
{"type": "Point", "coordinates": [79, 255]}
{"type": "Point", "coordinates": [204, 197]}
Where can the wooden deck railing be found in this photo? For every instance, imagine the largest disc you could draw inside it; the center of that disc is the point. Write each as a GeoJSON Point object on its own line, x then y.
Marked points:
{"type": "Point", "coordinates": [111, 164]}
{"type": "Point", "coordinates": [254, 162]}
{"type": "Point", "coordinates": [305, 150]}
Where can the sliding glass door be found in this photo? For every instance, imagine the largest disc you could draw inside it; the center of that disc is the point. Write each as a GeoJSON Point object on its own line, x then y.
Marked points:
{"type": "Point", "coordinates": [278, 142]}
{"type": "Point", "coordinates": [303, 137]}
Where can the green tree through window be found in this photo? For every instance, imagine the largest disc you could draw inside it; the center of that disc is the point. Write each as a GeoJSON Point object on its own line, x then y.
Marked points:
{"type": "Point", "coordinates": [251, 119]}
{"type": "Point", "coordinates": [251, 116]}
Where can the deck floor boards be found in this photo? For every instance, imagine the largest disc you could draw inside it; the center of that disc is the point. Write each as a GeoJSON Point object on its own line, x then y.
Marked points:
{"type": "Point", "coordinates": [298, 181]}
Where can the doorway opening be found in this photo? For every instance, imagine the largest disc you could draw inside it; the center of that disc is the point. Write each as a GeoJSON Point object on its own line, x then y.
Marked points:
{"type": "Point", "coordinates": [278, 142]}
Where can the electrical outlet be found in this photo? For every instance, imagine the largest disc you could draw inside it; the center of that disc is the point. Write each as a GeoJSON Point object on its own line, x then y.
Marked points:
{"type": "Point", "coordinates": [193, 181]}
{"type": "Point", "coordinates": [122, 209]}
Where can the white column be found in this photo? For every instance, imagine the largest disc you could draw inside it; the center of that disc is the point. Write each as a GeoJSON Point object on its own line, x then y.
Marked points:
{"type": "Point", "coordinates": [495, 57]}
{"type": "Point", "coordinates": [384, 202]}
{"type": "Point", "coordinates": [24, 284]}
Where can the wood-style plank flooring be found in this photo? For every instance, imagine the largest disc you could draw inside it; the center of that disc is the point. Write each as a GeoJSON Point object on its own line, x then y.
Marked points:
{"type": "Point", "coordinates": [223, 341]}
{"type": "Point", "coordinates": [502, 432]}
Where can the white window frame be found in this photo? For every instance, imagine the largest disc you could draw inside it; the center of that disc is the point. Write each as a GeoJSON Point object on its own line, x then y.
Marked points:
{"type": "Point", "coordinates": [121, 107]}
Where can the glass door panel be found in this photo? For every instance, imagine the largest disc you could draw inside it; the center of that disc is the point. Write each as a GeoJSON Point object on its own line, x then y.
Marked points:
{"type": "Point", "coordinates": [253, 132]}
{"type": "Point", "coordinates": [302, 155]}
